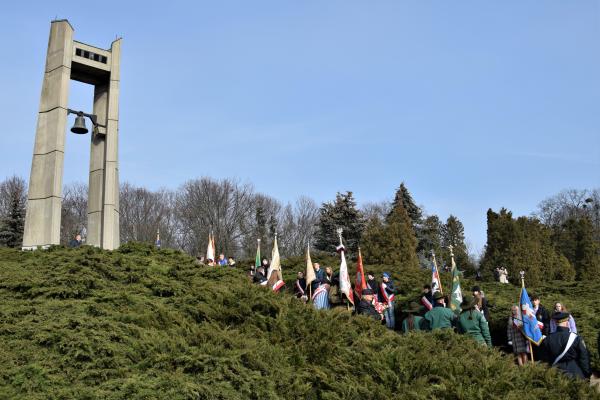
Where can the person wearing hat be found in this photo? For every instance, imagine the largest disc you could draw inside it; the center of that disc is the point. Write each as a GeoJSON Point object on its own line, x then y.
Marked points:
{"type": "Point", "coordinates": [366, 307]}
{"type": "Point", "coordinates": [566, 350]}
{"type": "Point", "coordinates": [482, 304]}
{"type": "Point", "coordinates": [386, 296]}
{"type": "Point", "coordinates": [472, 323]}
{"type": "Point", "coordinates": [439, 317]}
{"type": "Point", "coordinates": [412, 322]}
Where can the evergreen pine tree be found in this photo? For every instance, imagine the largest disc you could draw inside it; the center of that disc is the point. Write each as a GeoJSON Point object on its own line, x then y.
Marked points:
{"type": "Point", "coordinates": [342, 213]}
{"type": "Point", "coordinates": [523, 244]}
{"type": "Point", "coordinates": [431, 235]}
{"type": "Point", "coordinates": [393, 243]}
{"type": "Point", "coordinates": [576, 241]}
{"type": "Point", "coordinates": [453, 234]}
{"type": "Point", "coordinates": [414, 212]}
{"type": "Point", "coordinates": [13, 222]}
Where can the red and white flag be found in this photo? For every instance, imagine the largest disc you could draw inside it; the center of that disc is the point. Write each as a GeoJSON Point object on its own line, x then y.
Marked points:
{"type": "Point", "coordinates": [436, 283]}
{"type": "Point", "coordinates": [345, 286]}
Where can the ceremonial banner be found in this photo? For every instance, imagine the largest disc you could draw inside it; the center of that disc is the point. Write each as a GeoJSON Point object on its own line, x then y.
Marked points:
{"type": "Point", "coordinates": [210, 249]}
{"type": "Point", "coordinates": [274, 278]}
{"type": "Point", "coordinates": [436, 284]}
{"type": "Point", "coordinates": [531, 326]}
{"type": "Point", "coordinates": [345, 286]}
{"type": "Point", "coordinates": [360, 282]}
{"type": "Point", "coordinates": [158, 238]}
{"type": "Point", "coordinates": [310, 271]}
{"type": "Point", "coordinates": [257, 259]}
{"type": "Point", "coordinates": [456, 297]}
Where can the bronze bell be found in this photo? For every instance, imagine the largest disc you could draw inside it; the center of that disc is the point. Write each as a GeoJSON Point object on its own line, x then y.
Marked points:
{"type": "Point", "coordinates": [79, 125]}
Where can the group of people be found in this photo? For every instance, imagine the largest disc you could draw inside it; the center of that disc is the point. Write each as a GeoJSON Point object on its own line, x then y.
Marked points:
{"type": "Point", "coordinates": [501, 274]}
{"type": "Point", "coordinates": [561, 347]}
{"type": "Point", "coordinates": [221, 261]}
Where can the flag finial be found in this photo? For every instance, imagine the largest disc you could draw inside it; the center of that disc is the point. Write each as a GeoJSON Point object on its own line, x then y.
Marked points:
{"type": "Point", "coordinates": [522, 273]}
{"type": "Point", "coordinates": [339, 232]}
{"type": "Point", "coordinates": [451, 248]}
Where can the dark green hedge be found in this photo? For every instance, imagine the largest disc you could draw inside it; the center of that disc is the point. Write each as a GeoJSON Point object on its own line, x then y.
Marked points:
{"type": "Point", "coordinates": [139, 323]}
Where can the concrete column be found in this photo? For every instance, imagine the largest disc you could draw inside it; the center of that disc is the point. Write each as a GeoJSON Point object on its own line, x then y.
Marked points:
{"type": "Point", "coordinates": [103, 199]}
{"type": "Point", "coordinates": [42, 222]}
{"type": "Point", "coordinates": [97, 161]}
{"type": "Point", "coordinates": [111, 238]}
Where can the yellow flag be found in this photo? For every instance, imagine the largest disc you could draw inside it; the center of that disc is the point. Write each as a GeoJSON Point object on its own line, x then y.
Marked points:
{"type": "Point", "coordinates": [310, 271]}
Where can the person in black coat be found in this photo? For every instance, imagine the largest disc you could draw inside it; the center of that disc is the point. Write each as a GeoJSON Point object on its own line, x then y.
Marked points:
{"type": "Point", "coordinates": [366, 307]}
{"type": "Point", "coordinates": [372, 283]}
{"type": "Point", "coordinates": [259, 276]}
{"type": "Point", "coordinates": [541, 314]}
{"type": "Point", "coordinates": [575, 362]}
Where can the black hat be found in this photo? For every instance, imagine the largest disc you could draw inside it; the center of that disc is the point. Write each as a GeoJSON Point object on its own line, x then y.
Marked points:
{"type": "Point", "coordinates": [476, 289]}
{"type": "Point", "coordinates": [561, 316]}
{"type": "Point", "coordinates": [367, 291]}
{"type": "Point", "coordinates": [412, 308]}
{"type": "Point", "coordinates": [468, 303]}
{"type": "Point", "coordinates": [438, 296]}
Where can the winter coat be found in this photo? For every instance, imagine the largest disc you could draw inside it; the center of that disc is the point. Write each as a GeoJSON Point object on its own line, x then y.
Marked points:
{"type": "Point", "coordinates": [319, 278]}
{"type": "Point", "coordinates": [389, 290]}
{"type": "Point", "coordinates": [474, 324]}
{"type": "Point", "coordinates": [417, 324]}
{"type": "Point", "coordinates": [576, 361]}
{"type": "Point", "coordinates": [439, 318]}
{"type": "Point", "coordinates": [366, 308]}
{"type": "Point", "coordinates": [543, 316]}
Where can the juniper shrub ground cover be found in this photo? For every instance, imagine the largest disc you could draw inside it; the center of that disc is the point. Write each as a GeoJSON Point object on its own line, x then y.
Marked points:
{"type": "Point", "coordinates": [141, 323]}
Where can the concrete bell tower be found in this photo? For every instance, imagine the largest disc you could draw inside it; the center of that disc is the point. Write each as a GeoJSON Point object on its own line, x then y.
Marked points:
{"type": "Point", "coordinates": [68, 59]}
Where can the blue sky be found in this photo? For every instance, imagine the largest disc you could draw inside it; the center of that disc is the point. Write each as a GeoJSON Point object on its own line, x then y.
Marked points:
{"type": "Point", "coordinates": [472, 104]}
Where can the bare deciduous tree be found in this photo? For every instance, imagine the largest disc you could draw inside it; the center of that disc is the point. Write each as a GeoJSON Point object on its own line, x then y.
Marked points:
{"type": "Point", "coordinates": [143, 213]}
{"type": "Point", "coordinates": [73, 212]}
{"type": "Point", "coordinates": [222, 207]}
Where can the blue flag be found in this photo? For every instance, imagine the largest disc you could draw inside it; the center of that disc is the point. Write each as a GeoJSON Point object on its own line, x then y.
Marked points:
{"type": "Point", "coordinates": [531, 327]}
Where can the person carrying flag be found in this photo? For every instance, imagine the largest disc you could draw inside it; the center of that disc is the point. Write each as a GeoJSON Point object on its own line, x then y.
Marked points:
{"type": "Point", "coordinates": [386, 296]}
{"type": "Point", "coordinates": [566, 350]}
{"type": "Point", "coordinates": [426, 299]}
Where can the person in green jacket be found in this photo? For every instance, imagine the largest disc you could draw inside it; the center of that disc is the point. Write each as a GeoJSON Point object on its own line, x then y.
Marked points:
{"type": "Point", "coordinates": [439, 317]}
{"type": "Point", "coordinates": [472, 323]}
{"type": "Point", "coordinates": [412, 322]}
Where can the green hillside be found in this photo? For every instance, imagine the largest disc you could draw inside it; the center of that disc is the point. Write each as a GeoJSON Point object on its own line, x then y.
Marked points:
{"type": "Point", "coordinates": [139, 323]}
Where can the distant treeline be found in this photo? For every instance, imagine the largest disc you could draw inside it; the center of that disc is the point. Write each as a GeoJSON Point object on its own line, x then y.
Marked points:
{"type": "Point", "coordinates": [561, 240]}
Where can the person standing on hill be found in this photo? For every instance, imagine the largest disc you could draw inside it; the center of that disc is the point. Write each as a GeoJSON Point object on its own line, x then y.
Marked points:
{"type": "Point", "coordinates": [259, 276]}
{"type": "Point", "coordinates": [366, 307]}
{"type": "Point", "coordinates": [300, 286]}
{"type": "Point", "coordinates": [412, 322]}
{"type": "Point", "coordinates": [427, 298]}
{"type": "Point", "coordinates": [222, 260]}
{"type": "Point", "coordinates": [482, 304]}
{"type": "Point", "coordinates": [372, 283]}
{"type": "Point", "coordinates": [541, 314]}
{"type": "Point", "coordinates": [559, 307]}
{"type": "Point", "coordinates": [566, 350]}
{"type": "Point", "coordinates": [472, 323]}
{"type": "Point", "coordinates": [514, 332]}
{"type": "Point", "coordinates": [319, 277]}
{"type": "Point", "coordinates": [76, 241]}
{"type": "Point", "coordinates": [439, 317]}
{"type": "Point", "coordinates": [386, 296]}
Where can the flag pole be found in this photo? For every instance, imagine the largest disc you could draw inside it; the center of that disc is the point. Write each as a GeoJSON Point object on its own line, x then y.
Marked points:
{"type": "Point", "coordinates": [522, 287]}
{"type": "Point", "coordinates": [451, 248]}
